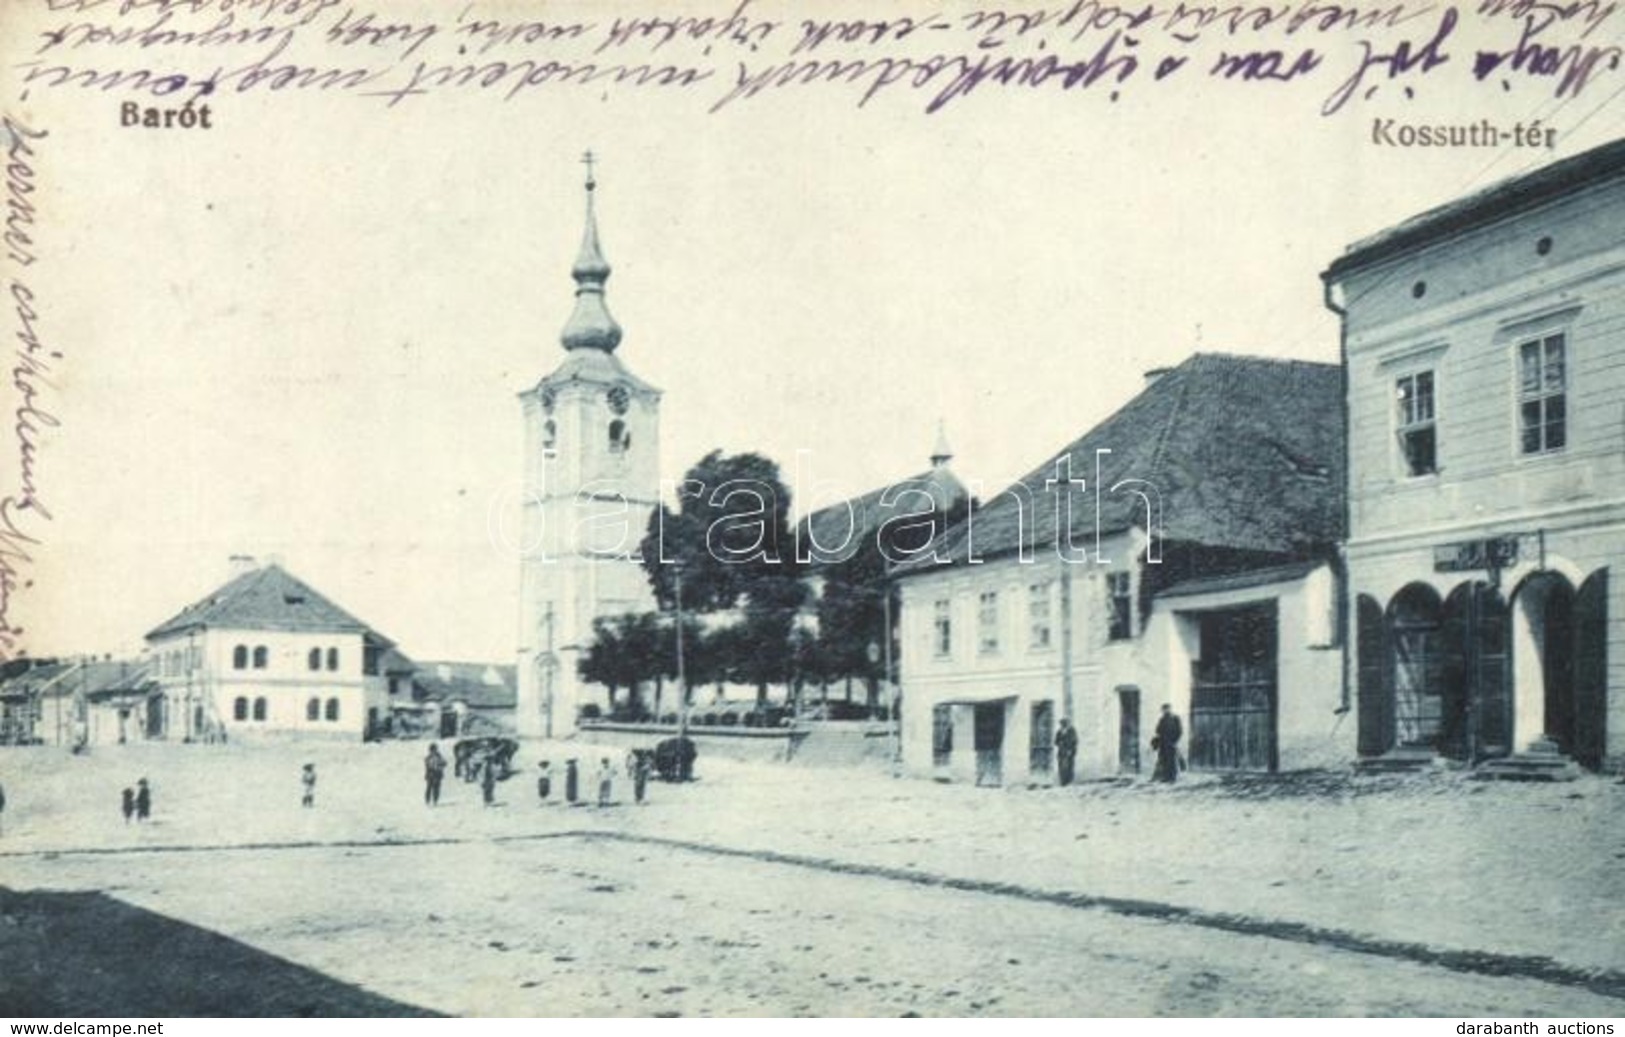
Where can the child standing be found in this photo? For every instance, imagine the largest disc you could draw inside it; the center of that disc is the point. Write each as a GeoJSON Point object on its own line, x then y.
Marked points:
{"type": "Point", "coordinates": [129, 804]}
{"type": "Point", "coordinates": [307, 779]}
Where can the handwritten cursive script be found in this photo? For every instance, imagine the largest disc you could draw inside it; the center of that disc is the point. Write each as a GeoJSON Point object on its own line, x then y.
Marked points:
{"type": "Point", "coordinates": [23, 506]}
{"type": "Point", "coordinates": [724, 56]}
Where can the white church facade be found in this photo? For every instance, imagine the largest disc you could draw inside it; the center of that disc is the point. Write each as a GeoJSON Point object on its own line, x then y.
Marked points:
{"type": "Point", "coordinates": [592, 434]}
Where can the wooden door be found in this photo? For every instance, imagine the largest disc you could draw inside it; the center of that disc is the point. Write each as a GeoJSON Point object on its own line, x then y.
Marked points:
{"type": "Point", "coordinates": [1374, 695]}
{"type": "Point", "coordinates": [1041, 738]}
{"type": "Point", "coordinates": [1128, 730]}
{"type": "Point", "coordinates": [1233, 691]}
{"type": "Point", "coordinates": [1491, 670]}
{"type": "Point", "coordinates": [989, 743]}
{"type": "Point", "coordinates": [1591, 671]}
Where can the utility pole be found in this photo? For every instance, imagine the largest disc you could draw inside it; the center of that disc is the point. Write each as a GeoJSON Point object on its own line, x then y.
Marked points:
{"type": "Point", "coordinates": [891, 681]}
{"type": "Point", "coordinates": [682, 677]}
{"type": "Point", "coordinates": [1066, 641]}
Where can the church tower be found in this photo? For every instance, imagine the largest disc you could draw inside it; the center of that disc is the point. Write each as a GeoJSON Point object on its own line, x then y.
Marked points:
{"type": "Point", "coordinates": [592, 479]}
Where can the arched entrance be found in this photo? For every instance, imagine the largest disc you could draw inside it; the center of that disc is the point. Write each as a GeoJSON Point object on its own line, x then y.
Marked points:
{"type": "Point", "coordinates": [1559, 671]}
{"type": "Point", "coordinates": [1417, 653]}
{"type": "Point", "coordinates": [1478, 706]}
{"type": "Point", "coordinates": [1542, 660]}
{"type": "Point", "coordinates": [1433, 674]}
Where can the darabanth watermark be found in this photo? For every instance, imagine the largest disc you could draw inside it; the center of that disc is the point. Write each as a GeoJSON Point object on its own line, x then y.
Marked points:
{"type": "Point", "coordinates": [599, 519]}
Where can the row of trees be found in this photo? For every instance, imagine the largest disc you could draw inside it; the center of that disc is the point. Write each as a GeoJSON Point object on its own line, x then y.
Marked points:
{"type": "Point", "coordinates": [745, 597]}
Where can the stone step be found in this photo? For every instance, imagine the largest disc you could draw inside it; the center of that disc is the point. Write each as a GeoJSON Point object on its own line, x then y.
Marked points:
{"type": "Point", "coordinates": [1535, 766]}
{"type": "Point", "coordinates": [1403, 760]}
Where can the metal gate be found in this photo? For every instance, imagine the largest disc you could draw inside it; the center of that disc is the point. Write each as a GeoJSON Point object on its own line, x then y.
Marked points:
{"type": "Point", "coordinates": [1233, 691]}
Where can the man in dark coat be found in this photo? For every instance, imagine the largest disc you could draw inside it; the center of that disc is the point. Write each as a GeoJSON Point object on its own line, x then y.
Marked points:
{"type": "Point", "coordinates": [143, 800]}
{"type": "Point", "coordinates": [1066, 751]}
{"type": "Point", "coordinates": [1166, 743]}
{"type": "Point", "coordinates": [434, 771]}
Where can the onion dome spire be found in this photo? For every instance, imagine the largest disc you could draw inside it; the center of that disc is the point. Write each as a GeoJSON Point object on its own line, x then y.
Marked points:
{"type": "Point", "coordinates": [941, 454]}
{"type": "Point", "coordinates": [590, 326]}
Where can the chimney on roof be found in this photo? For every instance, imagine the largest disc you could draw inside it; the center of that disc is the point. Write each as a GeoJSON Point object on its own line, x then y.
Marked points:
{"type": "Point", "coordinates": [1153, 376]}
{"type": "Point", "coordinates": [240, 564]}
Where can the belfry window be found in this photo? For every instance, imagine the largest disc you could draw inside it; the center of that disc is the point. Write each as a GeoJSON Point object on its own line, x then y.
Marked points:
{"type": "Point", "coordinates": [620, 438]}
{"type": "Point", "coordinates": [550, 435]}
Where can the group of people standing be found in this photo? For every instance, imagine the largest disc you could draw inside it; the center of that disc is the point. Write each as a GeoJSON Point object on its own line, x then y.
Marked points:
{"type": "Point", "coordinates": [638, 767]}
{"type": "Point", "coordinates": [136, 801]}
{"type": "Point", "coordinates": [1165, 743]}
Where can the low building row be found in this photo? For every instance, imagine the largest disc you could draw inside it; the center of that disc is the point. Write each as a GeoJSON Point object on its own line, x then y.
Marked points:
{"type": "Point", "coordinates": [263, 655]}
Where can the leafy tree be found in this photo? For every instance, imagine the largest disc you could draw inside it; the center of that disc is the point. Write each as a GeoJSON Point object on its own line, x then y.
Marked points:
{"type": "Point", "coordinates": [730, 537]}
{"type": "Point", "coordinates": [619, 655]}
{"type": "Point", "coordinates": [731, 532]}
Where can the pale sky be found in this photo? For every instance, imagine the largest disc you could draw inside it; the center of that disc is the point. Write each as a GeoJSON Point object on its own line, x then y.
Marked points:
{"type": "Point", "coordinates": [302, 332]}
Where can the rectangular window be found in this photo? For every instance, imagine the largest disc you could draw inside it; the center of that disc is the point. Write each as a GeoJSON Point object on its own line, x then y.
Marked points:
{"type": "Point", "coordinates": [944, 640]}
{"type": "Point", "coordinates": [942, 735]}
{"type": "Point", "coordinates": [1119, 607]}
{"type": "Point", "coordinates": [987, 622]}
{"type": "Point", "coordinates": [1038, 615]}
{"type": "Point", "coordinates": [1418, 437]}
{"type": "Point", "coordinates": [1542, 395]}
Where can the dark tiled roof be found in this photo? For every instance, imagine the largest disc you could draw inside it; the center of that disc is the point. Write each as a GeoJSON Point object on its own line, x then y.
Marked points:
{"type": "Point", "coordinates": [835, 525]}
{"type": "Point", "coordinates": [1494, 203]}
{"type": "Point", "coordinates": [395, 661]}
{"type": "Point", "coordinates": [1240, 581]}
{"type": "Point", "coordinates": [1245, 453]}
{"type": "Point", "coordinates": [69, 677]}
{"type": "Point", "coordinates": [481, 685]}
{"type": "Point", "coordinates": [269, 598]}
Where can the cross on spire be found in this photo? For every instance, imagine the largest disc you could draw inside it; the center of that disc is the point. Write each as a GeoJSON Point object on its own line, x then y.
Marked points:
{"type": "Point", "coordinates": [587, 159]}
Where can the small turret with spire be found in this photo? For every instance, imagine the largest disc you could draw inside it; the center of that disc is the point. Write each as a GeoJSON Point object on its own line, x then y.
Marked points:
{"type": "Point", "coordinates": [590, 326]}
{"type": "Point", "coordinates": [941, 454]}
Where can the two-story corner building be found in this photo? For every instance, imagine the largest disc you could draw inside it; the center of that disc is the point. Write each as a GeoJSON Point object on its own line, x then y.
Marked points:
{"type": "Point", "coordinates": [266, 654]}
{"type": "Point", "coordinates": [1485, 350]}
{"type": "Point", "coordinates": [1183, 551]}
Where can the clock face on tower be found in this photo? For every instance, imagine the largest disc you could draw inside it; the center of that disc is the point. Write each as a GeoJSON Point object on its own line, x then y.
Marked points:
{"type": "Point", "coordinates": [618, 399]}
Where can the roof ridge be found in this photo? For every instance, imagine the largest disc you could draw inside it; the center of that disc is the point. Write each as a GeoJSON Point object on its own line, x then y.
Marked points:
{"type": "Point", "coordinates": [1254, 358]}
